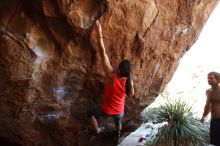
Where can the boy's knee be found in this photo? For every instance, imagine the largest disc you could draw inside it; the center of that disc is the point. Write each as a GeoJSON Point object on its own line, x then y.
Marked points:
{"type": "Point", "coordinates": [95, 111]}
{"type": "Point", "coordinates": [89, 113]}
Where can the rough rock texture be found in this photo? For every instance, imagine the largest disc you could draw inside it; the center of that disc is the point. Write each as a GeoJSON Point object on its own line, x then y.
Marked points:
{"type": "Point", "coordinates": [50, 70]}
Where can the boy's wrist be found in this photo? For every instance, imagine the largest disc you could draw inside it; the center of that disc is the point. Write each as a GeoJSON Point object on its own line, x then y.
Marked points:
{"type": "Point", "coordinates": [100, 35]}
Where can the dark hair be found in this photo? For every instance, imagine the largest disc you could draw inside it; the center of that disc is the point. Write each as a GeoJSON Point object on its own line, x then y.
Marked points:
{"type": "Point", "coordinates": [124, 71]}
{"type": "Point", "coordinates": [215, 74]}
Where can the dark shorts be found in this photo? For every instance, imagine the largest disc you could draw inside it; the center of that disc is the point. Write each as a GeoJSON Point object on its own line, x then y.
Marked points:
{"type": "Point", "coordinates": [97, 112]}
{"type": "Point", "coordinates": [215, 132]}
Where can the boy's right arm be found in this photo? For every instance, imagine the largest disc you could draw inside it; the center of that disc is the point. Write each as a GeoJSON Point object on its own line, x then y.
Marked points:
{"type": "Point", "coordinates": [108, 69]}
{"type": "Point", "coordinates": [207, 106]}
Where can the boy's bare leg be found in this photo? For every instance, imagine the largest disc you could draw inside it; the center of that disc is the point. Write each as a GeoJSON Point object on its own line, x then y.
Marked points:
{"type": "Point", "coordinates": [94, 124]}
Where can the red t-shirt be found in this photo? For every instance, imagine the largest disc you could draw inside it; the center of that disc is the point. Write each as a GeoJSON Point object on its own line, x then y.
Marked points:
{"type": "Point", "coordinates": [114, 96]}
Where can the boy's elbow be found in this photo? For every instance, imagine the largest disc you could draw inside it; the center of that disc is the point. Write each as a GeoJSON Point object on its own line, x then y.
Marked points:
{"type": "Point", "coordinates": [132, 93]}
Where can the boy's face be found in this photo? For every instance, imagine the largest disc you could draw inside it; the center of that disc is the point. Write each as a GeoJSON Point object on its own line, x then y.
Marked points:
{"type": "Point", "coordinates": [212, 80]}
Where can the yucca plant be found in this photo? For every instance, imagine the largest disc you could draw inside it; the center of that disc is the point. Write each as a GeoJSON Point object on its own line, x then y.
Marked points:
{"type": "Point", "coordinates": [151, 114]}
{"type": "Point", "coordinates": [181, 128]}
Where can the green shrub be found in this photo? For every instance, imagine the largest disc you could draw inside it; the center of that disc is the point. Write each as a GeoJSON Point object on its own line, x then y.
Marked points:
{"type": "Point", "coordinates": [152, 114]}
{"type": "Point", "coordinates": [181, 128]}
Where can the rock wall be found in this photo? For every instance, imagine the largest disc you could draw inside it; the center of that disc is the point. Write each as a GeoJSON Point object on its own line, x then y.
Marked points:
{"type": "Point", "coordinates": [51, 72]}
